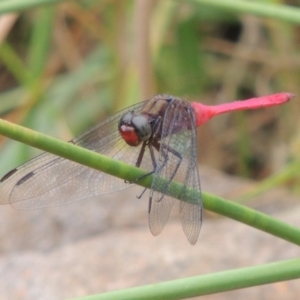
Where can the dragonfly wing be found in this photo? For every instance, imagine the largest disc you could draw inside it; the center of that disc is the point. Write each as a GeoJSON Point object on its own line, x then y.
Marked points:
{"type": "Point", "coordinates": [190, 209]}
{"type": "Point", "coordinates": [49, 180]}
{"type": "Point", "coordinates": [159, 212]}
{"type": "Point", "coordinates": [177, 162]}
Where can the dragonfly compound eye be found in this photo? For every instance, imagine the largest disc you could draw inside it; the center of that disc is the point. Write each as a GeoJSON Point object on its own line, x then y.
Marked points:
{"type": "Point", "coordinates": [142, 127]}
{"type": "Point", "coordinates": [126, 119]}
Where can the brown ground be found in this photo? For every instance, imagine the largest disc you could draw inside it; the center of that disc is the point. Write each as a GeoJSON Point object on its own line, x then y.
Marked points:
{"type": "Point", "coordinates": [96, 246]}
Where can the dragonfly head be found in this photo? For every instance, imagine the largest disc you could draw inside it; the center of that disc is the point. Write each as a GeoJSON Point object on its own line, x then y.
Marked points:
{"type": "Point", "coordinates": [134, 129]}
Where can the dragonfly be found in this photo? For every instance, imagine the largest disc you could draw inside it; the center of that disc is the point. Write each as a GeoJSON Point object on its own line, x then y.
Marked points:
{"type": "Point", "coordinates": [158, 135]}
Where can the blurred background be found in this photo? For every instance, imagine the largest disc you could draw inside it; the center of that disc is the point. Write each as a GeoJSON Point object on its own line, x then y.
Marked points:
{"type": "Point", "coordinates": [66, 67]}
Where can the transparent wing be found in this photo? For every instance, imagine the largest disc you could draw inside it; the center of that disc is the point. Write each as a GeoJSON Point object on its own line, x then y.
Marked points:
{"type": "Point", "coordinates": [49, 180]}
{"type": "Point", "coordinates": [177, 162]}
{"type": "Point", "coordinates": [190, 208]}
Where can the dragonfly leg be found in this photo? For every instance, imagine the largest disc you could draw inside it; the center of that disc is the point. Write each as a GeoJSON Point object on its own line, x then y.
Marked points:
{"type": "Point", "coordinates": [139, 161]}
{"type": "Point", "coordinates": [151, 142]}
{"type": "Point", "coordinates": [153, 159]}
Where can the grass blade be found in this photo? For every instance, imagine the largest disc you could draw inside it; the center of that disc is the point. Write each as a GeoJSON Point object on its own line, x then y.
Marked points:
{"type": "Point", "coordinates": [208, 284]}
{"type": "Point", "coordinates": [271, 10]}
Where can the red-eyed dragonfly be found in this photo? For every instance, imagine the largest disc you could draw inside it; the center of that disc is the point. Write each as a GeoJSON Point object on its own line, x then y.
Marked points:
{"type": "Point", "coordinates": [157, 135]}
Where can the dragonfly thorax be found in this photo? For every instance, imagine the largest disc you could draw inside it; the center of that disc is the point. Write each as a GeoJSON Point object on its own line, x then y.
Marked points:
{"type": "Point", "coordinates": [134, 129]}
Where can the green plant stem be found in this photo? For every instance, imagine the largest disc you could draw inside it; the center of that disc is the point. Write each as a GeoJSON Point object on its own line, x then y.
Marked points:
{"type": "Point", "coordinates": [208, 284]}
{"type": "Point", "coordinates": [128, 172]}
{"type": "Point", "coordinates": [40, 42]}
{"type": "Point", "coordinates": [277, 11]}
{"type": "Point", "coordinates": [14, 64]}
{"type": "Point", "coordinates": [252, 218]}
{"type": "Point", "coordinates": [18, 5]}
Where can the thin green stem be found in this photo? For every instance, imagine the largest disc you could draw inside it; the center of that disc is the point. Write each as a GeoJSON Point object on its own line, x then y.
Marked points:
{"type": "Point", "coordinates": [252, 218]}
{"type": "Point", "coordinates": [208, 284]}
{"type": "Point", "coordinates": [14, 63]}
{"type": "Point", "coordinates": [128, 172]}
{"type": "Point", "coordinates": [40, 42]}
{"type": "Point", "coordinates": [18, 5]}
{"type": "Point", "coordinates": [277, 11]}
